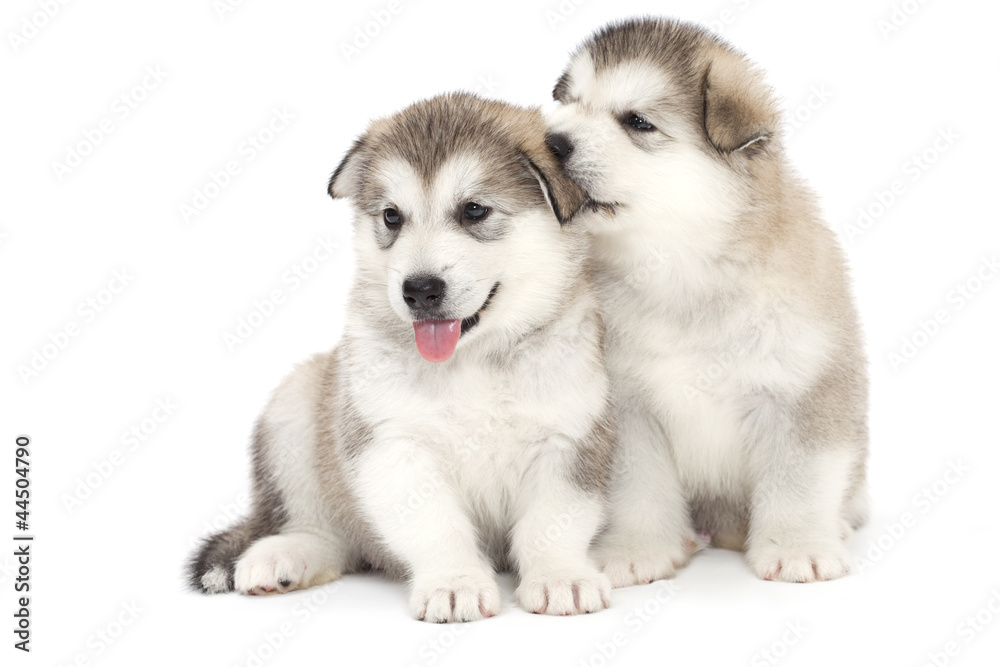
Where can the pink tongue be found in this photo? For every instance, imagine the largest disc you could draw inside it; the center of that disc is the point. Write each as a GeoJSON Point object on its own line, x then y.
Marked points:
{"type": "Point", "coordinates": [436, 339]}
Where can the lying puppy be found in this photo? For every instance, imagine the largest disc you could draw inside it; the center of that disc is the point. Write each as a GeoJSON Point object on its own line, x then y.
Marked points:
{"type": "Point", "coordinates": [733, 341]}
{"type": "Point", "coordinates": [497, 455]}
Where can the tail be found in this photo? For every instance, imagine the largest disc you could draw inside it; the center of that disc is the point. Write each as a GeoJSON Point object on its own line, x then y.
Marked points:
{"type": "Point", "coordinates": [212, 567]}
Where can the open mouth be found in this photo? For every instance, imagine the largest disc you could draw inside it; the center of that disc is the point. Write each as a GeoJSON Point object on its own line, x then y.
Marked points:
{"type": "Point", "coordinates": [470, 322]}
{"type": "Point", "coordinates": [436, 339]}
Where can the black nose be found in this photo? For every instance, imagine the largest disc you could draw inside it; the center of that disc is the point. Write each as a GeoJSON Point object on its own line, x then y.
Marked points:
{"type": "Point", "coordinates": [559, 144]}
{"type": "Point", "coordinates": [423, 292]}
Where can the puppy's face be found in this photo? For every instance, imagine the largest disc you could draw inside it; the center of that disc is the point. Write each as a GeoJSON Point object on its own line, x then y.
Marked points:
{"type": "Point", "coordinates": [658, 111]}
{"type": "Point", "coordinates": [458, 212]}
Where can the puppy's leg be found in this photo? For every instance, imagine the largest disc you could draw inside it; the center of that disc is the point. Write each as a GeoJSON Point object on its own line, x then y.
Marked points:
{"type": "Point", "coordinates": [649, 534]}
{"type": "Point", "coordinates": [306, 549]}
{"type": "Point", "coordinates": [557, 522]}
{"type": "Point", "coordinates": [797, 517]}
{"type": "Point", "coordinates": [290, 540]}
{"type": "Point", "coordinates": [413, 507]}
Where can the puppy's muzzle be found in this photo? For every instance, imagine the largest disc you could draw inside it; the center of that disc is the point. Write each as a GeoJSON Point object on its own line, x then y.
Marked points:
{"type": "Point", "coordinates": [560, 145]}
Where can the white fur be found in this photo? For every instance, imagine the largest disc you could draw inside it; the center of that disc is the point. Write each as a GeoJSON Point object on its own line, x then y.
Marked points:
{"type": "Point", "coordinates": [466, 451]}
{"type": "Point", "coordinates": [460, 446]}
{"type": "Point", "coordinates": [215, 580]}
{"type": "Point", "coordinates": [697, 341]}
{"type": "Point", "coordinates": [287, 562]}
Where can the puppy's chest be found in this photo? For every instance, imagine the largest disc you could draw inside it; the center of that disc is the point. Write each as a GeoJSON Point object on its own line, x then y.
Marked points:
{"type": "Point", "coordinates": [703, 362]}
{"type": "Point", "coordinates": [721, 345]}
{"type": "Point", "coordinates": [484, 426]}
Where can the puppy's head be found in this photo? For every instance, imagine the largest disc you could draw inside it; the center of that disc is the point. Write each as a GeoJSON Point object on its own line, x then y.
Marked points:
{"type": "Point", "coordinates": [459, 212]}
{"type": "Point", "coordinates": [652, 108]}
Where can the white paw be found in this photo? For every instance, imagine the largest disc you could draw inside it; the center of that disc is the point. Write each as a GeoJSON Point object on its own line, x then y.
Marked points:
{"type": "Point", "coordinates": [799, 563]}
{"type": "Point", "coordinates": [455, 599]}
{"type": "Point", "coordinates": [631, 561]}
{"type": "Point", "coordinates": [564, 593]}
{"type": "Point", "coordinates": [283, 563]}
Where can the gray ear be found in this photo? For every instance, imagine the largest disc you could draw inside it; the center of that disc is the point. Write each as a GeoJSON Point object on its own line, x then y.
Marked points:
{"type": "Point", "coordinates": [346, 178]}
{"type": "Point", "coordinates": [740, 114]}
{"type": "Point", "coordinates": [560, 93]}
{"type": "Point", "coordinates": [563, 195]}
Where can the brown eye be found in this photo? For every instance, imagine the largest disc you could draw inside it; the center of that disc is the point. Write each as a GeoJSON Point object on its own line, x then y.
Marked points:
{"type": "Point", "coordinates": [475, 212]}
{"type": "Point", "coordinates": [391, 217]}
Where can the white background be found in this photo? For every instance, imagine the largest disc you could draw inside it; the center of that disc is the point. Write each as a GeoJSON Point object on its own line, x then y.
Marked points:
{"type": "Point", "coordinates": [878, 100]}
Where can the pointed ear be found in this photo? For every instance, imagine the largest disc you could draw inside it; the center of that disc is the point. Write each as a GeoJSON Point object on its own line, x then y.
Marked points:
{"type": "Point", "coordinates": [346, 178]}
{"type": "Point", "coordinates": [563, 195]}
{"type": "Point", "coordinates": [740, 113]}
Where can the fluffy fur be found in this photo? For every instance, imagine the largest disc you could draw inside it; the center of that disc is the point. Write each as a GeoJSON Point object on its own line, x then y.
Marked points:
{"type": "Point", "coordinates": [443, 472]}
{"type": "Point", "coordinates": [733, 343]}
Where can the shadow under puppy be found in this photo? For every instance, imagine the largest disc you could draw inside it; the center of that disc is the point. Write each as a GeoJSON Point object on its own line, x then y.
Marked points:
{"type": "Point", "coordinates": [465, 414]}
{"type": "Point", "coordinates": [733, 343]}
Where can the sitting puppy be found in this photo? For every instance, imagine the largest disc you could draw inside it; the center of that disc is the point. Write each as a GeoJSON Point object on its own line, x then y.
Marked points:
{"type": "Point", "coordinates": [463, 423]}
{"type": "Point", "coordinates": [732, 341]}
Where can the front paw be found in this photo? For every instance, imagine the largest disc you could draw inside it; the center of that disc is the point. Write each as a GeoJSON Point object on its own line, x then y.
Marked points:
{"type": "Point", "coordinates": [455, 599]}
{"type": "Point", "coordinates": [799, 563]}
{"type": "Point", "coordinates": [563, 593]}
{"type": "Point", "coordinates": [631, 561]}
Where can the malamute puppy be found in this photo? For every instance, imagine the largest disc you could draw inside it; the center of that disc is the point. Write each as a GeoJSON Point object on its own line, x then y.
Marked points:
{"type": "Point", "coordinates": [732, 339]}
{"type": "Point", "coordinates": [463, 422]}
